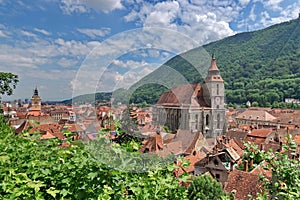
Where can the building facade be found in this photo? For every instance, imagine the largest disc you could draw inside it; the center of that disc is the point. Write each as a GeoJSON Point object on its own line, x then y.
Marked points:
{"type": "Point", "coordinates": [194, 107]}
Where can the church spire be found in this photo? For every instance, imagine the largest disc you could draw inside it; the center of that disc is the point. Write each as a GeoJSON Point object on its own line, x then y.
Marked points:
{"type": "Point", "coordinates": [36, 92]}
{"type": "Point", "coordinates": [213, 65]}
{"type": "Point", "coordinates": [213, 54]}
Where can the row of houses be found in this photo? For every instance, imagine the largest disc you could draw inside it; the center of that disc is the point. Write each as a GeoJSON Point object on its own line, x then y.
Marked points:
{"type": "Point", "coordinates": [222, 157]}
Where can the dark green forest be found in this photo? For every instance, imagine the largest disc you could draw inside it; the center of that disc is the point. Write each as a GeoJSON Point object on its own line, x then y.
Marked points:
{"type": "Point", "coordinates": [261, 66]}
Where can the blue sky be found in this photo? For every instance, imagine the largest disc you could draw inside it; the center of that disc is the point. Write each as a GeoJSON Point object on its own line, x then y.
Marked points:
{"type": "Point", "coordinates": [70, 47]}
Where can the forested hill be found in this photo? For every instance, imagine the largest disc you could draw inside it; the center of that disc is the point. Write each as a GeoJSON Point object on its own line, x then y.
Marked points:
{"type": "Point", "coordinates": [262, 66]}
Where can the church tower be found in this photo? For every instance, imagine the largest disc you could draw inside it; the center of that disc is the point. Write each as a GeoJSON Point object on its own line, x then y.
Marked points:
{"type": "Point", "coordinates": [214, 86]}
{"type": "Point", "coordinates": [36, 102]}
{"type": "Point", "coordinates": [214, 97]}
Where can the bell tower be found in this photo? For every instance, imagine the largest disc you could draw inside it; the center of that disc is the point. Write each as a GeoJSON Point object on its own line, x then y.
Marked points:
{"type": "Point", "coordinates": [214, 86]}
{"type": "Point", "coordinates": [214, 94]}
{"type": "Point", "coordinates": [36, 102]}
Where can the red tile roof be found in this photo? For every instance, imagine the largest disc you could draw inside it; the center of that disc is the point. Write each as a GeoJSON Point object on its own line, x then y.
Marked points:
{"type": "Point", "coordinates": [171, 148]}
{"type": "Point", "coordinates": [195, 157]}
{"type": "Point", "coordinates": [261, 133]}
{"type": "Point", "coordinates": [256, 115]}
{"type": "Point", "coordinates": [183, 95]}
{"type": "Point", "coordinates": [259, 170]}
{"type": "Point", "coordinates": [296, 138]}
{"type": "Point", "coordinates": [243, 183]}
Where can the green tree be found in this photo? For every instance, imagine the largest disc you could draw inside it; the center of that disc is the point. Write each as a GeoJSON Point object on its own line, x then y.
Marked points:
{"type": "Point", "coordinates": [40, 169]}
{"type": "Point", "coordinates": [284, 165]}
{"type": "Point", "coordinates": [205, 188]}
{"type": "Point", "coordinates": [8, 83]}
{"type": "Point", "coordinates": [254, 104]}
{"type": "Point", "coordinates": [282, 105]}
{"type": "Point", "coordinates": [128, 124]}
{"type": "Point", "coordinates": [275, 104]}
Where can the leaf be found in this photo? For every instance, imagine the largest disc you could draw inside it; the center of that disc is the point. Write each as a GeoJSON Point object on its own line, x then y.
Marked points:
{"type": "Point", "coordinates": [36, 185]}
{"type": "Point", "coordinates": [64, 192]}
{"type": "Point", "coordinates": [52, 191]}
{"type": "Point", "coordinates": [92, 175]}
{"type": "Point", "coordinates": [4, 158]}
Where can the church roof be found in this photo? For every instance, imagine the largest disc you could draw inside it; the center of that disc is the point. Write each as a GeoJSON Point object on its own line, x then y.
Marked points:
{"type": "Point", "coordinates": [189, 94]}
{"type": "Point", "coordinates": [213, 72]}
{"type": "Point", "coordinates": [213, 65]}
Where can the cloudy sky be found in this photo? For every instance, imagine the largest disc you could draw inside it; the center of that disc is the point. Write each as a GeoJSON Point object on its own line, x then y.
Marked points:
{"type": "Point", "coordinates": [70, 47]}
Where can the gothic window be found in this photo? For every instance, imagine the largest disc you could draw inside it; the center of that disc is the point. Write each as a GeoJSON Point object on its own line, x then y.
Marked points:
{"type": "Point", "coordinates": [218, 121]}
{"type": "Point", "coordinates": [217, 89]}
{"type": "Point", "coordinates": [207, 120]}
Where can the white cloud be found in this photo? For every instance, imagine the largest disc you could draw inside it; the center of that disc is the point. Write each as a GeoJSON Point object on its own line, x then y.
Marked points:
{"type": "Point", "coordinates": [28, 34]}
{"type": "Point", "coordinates": [95, 33]}
{"type": "Point", "coordinates": [42, 31]}
{"type": "Point", "coordinates": [252, 15]}
{"type": "Point", "coordinates": [244, 2]}
{"type": "Point", "coordinates": [103, 62]}
{"type": "Point", "coordinates": [2, 34]}
{"type": "Point", "coordinates": [64, 62]}
{"type": "Point", "coordinates": [35, 59]}
{"type": "Point", "coordinates": [82, 6]}
{"type": "Point", "coordinates": [112, 80]}
{"type": "Point", "coordinates": [266, 19]}
{"type": "Point", "coordinates": [129, 64]}
{"type": "Point", "coordinates": [163, 14]}
{"type": "Point", "coordinates": [204, 21]}
{"type": "Point", "coordinates": [273, 4]}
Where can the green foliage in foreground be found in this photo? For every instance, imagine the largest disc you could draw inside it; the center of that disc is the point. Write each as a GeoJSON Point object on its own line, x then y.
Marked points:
{"type": "Point", "coordinates": [34, 169]}
{"type": "Point", "coordinates": [285, 168]}
{"type": "Point", "coordinates": [8, 83]}
{"type": "Point", "coordinates": [206, 188]}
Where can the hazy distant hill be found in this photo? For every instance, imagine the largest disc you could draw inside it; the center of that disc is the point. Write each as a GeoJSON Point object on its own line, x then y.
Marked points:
{"type": "Point", "coordinates": [262, 66]}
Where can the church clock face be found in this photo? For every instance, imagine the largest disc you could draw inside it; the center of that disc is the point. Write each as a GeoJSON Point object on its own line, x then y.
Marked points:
{"type": "Point", "coordinates": [218, 100]}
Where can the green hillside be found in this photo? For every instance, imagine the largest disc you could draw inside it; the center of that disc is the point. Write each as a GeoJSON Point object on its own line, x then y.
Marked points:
{"type": "Point", "coordinates": [262, 66]}
{"type": "Point", "coordinates": [89, 98]}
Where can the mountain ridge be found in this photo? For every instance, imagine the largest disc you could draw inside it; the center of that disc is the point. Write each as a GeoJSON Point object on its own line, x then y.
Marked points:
{"type": "Point", "coordinates": [261, 66]}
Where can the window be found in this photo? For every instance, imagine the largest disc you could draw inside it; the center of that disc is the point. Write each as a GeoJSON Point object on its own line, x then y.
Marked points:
{"type": "Point", "coordinates": [217, 176]}
{"type": "Point", "coordinates": [218, 121]}
{"type": "Point", "coordinates": [217, 89]}
{"type": "Point", "coordinates": [216, 162]}
{"type": "Point", "coordinates": [207, 120]}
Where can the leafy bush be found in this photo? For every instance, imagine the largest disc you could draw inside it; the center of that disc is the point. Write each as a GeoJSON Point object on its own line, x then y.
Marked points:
{"type": "Point", "coordinates": [35, 169]}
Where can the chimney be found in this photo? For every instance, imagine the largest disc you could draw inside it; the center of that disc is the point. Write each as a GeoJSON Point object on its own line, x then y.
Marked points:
{"type": "Point", "coordinates": [231, 166]}
{"type": "Point", "coordinates": [246, 165]}
{"type": "Point", "coordinates": [251, 162]}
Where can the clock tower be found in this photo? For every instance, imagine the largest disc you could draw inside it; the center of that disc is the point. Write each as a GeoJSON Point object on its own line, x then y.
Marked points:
{"type": "Point", "coordinates": [36, 102]}
{"type": "Point", "coordinates": [214, 98]}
